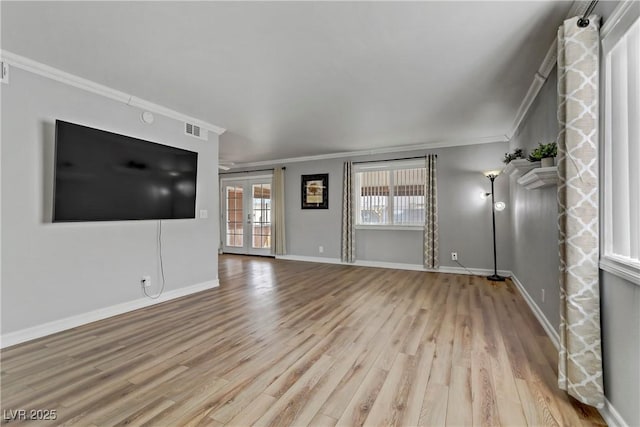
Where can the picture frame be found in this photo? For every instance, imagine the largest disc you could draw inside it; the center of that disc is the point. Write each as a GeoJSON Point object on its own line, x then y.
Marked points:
{"type": "Point", "coordinates": [315, 191]}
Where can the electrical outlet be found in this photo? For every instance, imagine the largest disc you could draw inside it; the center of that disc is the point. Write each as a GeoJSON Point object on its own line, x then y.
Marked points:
{"type": "Point", "coordinates": [543, 295]}
{"type": "Point", "coordinates": [146, 281]}
{"type": "Point", "coordinates": [454, 256]}
{"type": "Point", "coordinates": [321, 249]}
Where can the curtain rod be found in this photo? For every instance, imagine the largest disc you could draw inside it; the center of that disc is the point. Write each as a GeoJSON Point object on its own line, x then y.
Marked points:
{"type": "Point", "coordinates": [584, 21]}
{"type": "Point", "coordinates": [257, 170]}
{"type": "Point", "coordinates": [392, 160]}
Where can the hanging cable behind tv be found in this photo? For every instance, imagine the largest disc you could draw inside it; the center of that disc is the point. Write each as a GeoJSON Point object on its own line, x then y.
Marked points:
{"type": "Point", "coordinates": [160, 261]}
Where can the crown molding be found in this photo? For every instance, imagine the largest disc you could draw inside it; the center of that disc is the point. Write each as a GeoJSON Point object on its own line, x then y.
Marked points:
{"type": "Point", "coordinates": [386, 150]}
{"type": "Point", "coordinates": [56, 74]}
{"type": "Point", "coordinates": [525, 105]}
{"type": "Point", "coordinates": [550, 60]}
{"type": "Point", "coordinates": [541, 76]}
{"type": "Point", "coordinates": [578, 7]}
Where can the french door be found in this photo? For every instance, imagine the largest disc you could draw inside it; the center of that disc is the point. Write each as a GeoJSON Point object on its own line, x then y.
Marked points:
{"type": "Point", "coordinates": [246, 216]}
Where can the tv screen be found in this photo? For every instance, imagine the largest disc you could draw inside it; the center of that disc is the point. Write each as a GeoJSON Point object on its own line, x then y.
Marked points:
{"type": "Point", "coordinates": [104, 176]}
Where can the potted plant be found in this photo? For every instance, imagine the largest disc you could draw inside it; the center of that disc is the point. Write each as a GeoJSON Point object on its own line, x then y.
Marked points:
{"type": "Point", "coordinates": [545, 153]}
{"type": "Point", "coordinates": [517, 153]}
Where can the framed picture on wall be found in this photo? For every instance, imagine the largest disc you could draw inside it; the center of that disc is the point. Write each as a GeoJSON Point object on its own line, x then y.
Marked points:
{"type": "Point", "coordinates": [315, 191]}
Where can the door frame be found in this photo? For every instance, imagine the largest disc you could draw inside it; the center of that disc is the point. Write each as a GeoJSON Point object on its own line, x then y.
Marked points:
{"type": "Point", "coordinates": [246, 182]}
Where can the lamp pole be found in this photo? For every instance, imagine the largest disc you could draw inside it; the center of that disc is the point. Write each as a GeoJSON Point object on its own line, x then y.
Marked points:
{"type": "Point", "coordinates": [494, 277]}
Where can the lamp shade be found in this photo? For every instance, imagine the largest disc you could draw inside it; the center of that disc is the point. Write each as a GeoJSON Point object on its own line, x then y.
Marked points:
{"type": "Point", "coordinates": [491, 173]}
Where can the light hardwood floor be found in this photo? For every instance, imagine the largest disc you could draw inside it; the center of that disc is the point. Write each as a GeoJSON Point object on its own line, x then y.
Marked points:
{"type": "Point", "coordinates": [291, 343]}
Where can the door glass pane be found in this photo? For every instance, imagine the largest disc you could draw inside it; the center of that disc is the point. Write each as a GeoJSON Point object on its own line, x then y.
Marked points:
{"type": "Point", "coordinates": [261, 205]}
{"type": "Point", "coordinates": [234, 216]}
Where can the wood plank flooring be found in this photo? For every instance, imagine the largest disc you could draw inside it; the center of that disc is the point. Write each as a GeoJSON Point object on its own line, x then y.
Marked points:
{"type": "Point", "coordinates": [290, 343]}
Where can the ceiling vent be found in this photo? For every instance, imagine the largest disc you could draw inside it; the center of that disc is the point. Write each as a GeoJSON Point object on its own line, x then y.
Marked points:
{"type": "Point", "coordinates": [225, 165]}
{"type": "Point", "coordinates": [195, 131]}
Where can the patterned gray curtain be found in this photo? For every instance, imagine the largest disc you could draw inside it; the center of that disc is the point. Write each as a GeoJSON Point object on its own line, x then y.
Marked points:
{"type": "Point", "coordinates": [348, 250]}
{"type": "Point", "coordinates": [278, 240]}
{"type": "Point", "coordinates": [431, 214]}
{"type": "Point", "coordinates": [580, 359]}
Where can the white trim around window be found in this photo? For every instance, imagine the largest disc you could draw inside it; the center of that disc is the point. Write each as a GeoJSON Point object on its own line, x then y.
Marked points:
{"type": "Point", "coordinates": [390, 195]}
{"type": "Point", "coordinates": [620, 107]}
{"type": "Point", "coordinates": [621, 268]}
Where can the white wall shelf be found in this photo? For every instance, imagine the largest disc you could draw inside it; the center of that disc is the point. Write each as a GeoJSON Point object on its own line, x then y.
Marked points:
{"type": "Point", "coordinates": [539, 178]}
{"type": "Point", "coordinates": [520, 166]}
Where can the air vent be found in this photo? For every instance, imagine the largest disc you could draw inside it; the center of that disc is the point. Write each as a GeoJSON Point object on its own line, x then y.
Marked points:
{"type": "Point", "coordinates": [195, 131]}
{"type": "Point", "coordinates": [225, 165]}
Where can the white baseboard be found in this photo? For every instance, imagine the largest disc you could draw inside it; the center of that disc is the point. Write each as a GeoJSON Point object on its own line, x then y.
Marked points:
{"type": "Point", "coordinates": [472, 271]}
{"type": "Point", "coordinates": [310, 259]}
{"type": "Point", "coordinates": [49, 328]}
{"type": "Point", "coordinates": [611, 416]}
{"type": "Point", "coordinates": [608, 413]}
{"type": "Point", "coordinates": [394, 265]}
{"type": "Point", "coordinates": [537, 311]}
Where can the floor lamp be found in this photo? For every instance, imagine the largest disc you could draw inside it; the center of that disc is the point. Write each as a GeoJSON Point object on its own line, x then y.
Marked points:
{"type": "Point", "coordinates": [492, 175]}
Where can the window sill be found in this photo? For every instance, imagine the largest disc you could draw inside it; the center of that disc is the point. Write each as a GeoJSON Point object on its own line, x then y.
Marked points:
{"type": "Point", "coordinates": [621, 269]}
{"type": "Point", "coordinates": [390, 227]}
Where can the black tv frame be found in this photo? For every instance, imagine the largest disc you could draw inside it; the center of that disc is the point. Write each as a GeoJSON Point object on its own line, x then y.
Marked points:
{"type": "Point", "coordinates": [187, 207]}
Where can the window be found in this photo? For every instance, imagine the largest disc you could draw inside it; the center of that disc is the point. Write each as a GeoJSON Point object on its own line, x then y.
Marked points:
{"type": "Point", "coordinates": [621, 154]}
{"type": "Point", "coordinates": [390, 193]}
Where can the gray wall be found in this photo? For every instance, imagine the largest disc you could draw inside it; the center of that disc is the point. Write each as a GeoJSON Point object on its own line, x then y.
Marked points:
{"type": "Point", "coordinates": [464, 218]}
{"type": "Point", "coordinates": [536, 262]}
{"type": "Point", "coordinates": [620, 318]}
{"type": "Point", "coordinates": [535, 213]}
{"type": "Point", "coordinates": [53, 271]}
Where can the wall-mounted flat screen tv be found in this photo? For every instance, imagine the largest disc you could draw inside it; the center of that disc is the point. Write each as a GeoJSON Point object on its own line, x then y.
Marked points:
{"type": "Point", "coordinates": [104, 176]}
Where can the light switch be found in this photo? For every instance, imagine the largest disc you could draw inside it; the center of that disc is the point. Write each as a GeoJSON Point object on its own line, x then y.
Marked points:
{"type": "Point", "coordinates": [204, 213]}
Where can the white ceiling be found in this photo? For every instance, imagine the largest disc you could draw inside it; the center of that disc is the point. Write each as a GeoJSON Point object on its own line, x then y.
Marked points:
{"type": "Point", "coordinates": [289, 79]}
